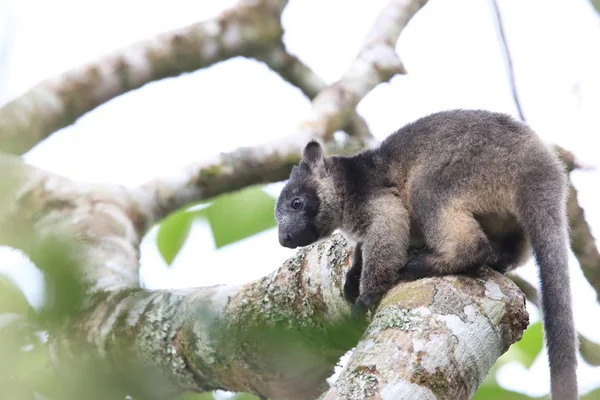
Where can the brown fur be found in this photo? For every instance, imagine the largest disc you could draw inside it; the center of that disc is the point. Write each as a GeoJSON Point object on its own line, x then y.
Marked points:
{"type": "Point", "coordinates": [473, 187]}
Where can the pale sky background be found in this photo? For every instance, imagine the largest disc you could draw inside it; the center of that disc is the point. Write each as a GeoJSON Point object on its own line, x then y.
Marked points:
{"type": "Point", "coordinates": [451, 52]}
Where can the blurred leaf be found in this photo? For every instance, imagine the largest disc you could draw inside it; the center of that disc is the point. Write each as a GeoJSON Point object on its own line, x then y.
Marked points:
{"type": "Point", "coordinates": [530, 345]}
{"type": "Point", "coordinates": [196, 396]}
{"type": "Point", "coordinates": [12, 299]}
{"type": "Point", "coordinates": [596, 4]}
{"type": "Point", "coordinates": [235, 216]}
{"type": "Point", "coordinates": [232, 217]}
{"type": "Point", "coordinates": [593, 395]}
{"type": "Point", "coordinates": [589, 350]}
{"type": "Point", "coordinates": [59, 258]}
{"type": "Point", "coordinates": [245, 396]}
{"type": "Point", "coordinates": [172, 233]}
{"type": "Point", "coordinates": [497, 393]}
{"type": "Point", "coordinates": [524, 351]}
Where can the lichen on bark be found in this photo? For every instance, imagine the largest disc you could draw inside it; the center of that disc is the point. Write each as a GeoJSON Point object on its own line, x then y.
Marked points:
{"type": "Point", "coordinates": [440, 337]}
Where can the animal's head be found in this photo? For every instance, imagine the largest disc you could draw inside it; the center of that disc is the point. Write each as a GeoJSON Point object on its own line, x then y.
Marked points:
{"type": "Point", "coordinates": [308, 207]}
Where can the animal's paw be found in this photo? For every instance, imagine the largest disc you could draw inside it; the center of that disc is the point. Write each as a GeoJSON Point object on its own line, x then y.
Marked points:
{"type": "Point", "coordinates": [359, 311]}
{"type": "Point", "coordinates": [415, 268]}
{"type": "Point", "coordinates": [364, 303]}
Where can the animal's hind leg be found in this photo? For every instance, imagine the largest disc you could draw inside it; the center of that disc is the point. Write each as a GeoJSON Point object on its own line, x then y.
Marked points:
{"type": "Point", "coordinates": [511, 250]}
{"type": "Point", "coordinates": [511, 246]}
{"type": "Point", "coordinates": [455, 244]}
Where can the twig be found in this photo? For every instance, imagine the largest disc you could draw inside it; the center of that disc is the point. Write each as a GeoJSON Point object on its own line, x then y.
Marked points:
{"type": "Point", "coordinates": [508, 58]}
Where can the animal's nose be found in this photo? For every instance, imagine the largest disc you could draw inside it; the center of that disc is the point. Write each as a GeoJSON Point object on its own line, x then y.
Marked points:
{"type": "Point", "coordinates": [285, 239]}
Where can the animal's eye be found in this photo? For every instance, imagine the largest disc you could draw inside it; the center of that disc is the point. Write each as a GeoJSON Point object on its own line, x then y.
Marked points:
{"type": "Point", "coordinates": [296, 203]}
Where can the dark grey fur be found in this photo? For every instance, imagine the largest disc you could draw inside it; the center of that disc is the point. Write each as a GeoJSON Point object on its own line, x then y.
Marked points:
{"type": "Point", "coordinates": [473, 187]}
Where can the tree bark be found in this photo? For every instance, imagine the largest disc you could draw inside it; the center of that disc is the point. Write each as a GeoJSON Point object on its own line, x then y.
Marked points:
{"type": "Point", "coordinates": [281, 336]}
{"type": "Point", "coordinates": [434, 339]}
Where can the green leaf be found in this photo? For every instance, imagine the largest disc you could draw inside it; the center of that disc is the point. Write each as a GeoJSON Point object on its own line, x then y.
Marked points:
{"type": "Point", "coordinates": [497, 393]}
{"type": "Point", "coordinates": [245, 396]}
{"type": "Point", "coordinates": [235, 216]}
{"type": "Point", "coordinates": [59, 257]}
{"type": "Point", "coordinates": [593, 395]}
{"type": "Point", "coordinates": [12, 299]}
{"type": "Point", "coordinates": [528, 348]}
{"type": "Point", "coordinates": [196, 396]}
{"type": "Point", "coordinates": [232, 217]}
{"type": "Point", "coordinates": [589, 350]}
{"type": "Point", "coordinates": [172, 233]}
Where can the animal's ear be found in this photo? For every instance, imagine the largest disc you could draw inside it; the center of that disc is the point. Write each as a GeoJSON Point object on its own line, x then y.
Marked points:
{"type": "Point", "coordinates": [295, 171]}
{"type": "Point", "coordinates": [313, 155]}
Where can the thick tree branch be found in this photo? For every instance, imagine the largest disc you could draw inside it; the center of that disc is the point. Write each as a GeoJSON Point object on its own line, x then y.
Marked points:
{"type": "Point", "coordinates": [375, 63]}
{"type": "Point", "coordinates": [281, 336]}
{"type": "Point", "coordinates": [98, 217]}
{"type": "Point", "coordinates": [58, 102]}
{"type": "Point", "coordinates": [434, 338]}
{"type": "Point", "coordinates": [251, 29]}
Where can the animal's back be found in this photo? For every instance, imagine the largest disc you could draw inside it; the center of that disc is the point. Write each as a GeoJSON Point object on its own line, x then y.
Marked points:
{"type": "Point", "coordinates": [480, 156]}
{"type": "Point", "coordinates": [458, 130]}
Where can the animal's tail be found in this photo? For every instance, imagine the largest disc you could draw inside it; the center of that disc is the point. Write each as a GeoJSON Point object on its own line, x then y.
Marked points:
{"type": "Point", "coordinates": [542, 210]}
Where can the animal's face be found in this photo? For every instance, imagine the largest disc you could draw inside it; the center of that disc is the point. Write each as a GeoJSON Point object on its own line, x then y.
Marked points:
{"type": "Point", "coordinates": [303, 212]}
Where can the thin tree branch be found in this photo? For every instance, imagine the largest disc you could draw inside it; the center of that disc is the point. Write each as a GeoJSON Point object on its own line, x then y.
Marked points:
{"type": "Point", "coordinates": [331, 109]}
{"type": "Point", "coordinates": [228, 172]}
{"type": "Point", "coordinates": [293, 70]}
{"type": "Point", "coordinates": [58, 102]}
{"type": "Point", "coordinates": [583, 243]}
{"type": "Point", "coordinates": [375, 63]}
